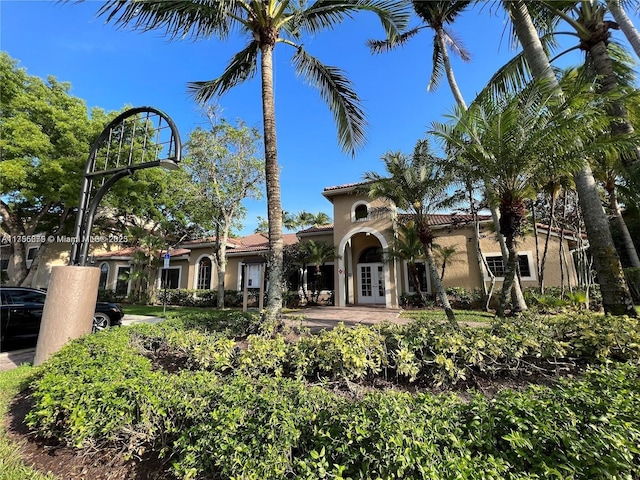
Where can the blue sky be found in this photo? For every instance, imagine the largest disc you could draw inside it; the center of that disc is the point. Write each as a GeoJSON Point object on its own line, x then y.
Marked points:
{"type": "Point", "coordinates": [111, 68]}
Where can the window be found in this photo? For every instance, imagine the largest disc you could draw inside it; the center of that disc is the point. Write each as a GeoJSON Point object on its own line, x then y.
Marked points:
{"type": "Point", "coordinates": [170, 278]}
{"type": "Point", "coordinates": [104, 273]}
{"type": "Point", "coordinates": [497, 266]}
{"type": "Point", "coordinates": [322, 280]}
{"type": "Point", "coordinates": [359, 211]}
{"type": "Point", "coordinates": [21, 297]}
{"type": "Point", "coordinates": [422, 278]}
{"type": "Point", "coordinates": [371, 255]}
{"type": "Point", "coordinates": [122, 281]}
{"type": "Point", "coordinates": [204, 274]}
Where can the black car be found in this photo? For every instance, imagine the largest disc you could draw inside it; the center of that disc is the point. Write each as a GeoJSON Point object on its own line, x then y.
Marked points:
{"type": "Point", "coordinates": [21, 313]}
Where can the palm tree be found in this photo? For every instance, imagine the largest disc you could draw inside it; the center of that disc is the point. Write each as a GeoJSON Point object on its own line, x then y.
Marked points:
{"type": "Point", "coordinates": [587, 18]}
{"type": "Point", "coordinates": [266, 23]}
{"type": "Point", "coordinates": [512, 140]}
{"type": "Point", "coordinates": [435, 15]}
{"type": "Point", "coordinates": [407, 246]}
{"type": "Point", "coordinates": [617, 9]}
{"type": "Point", "coordinates": [317, 253]}
{"type": "Point", "coordinates": [418, 185]}
{"type": "Point", "coordinates": [445, 256]}
{"type": "Point", "coordinates": [616, 297]}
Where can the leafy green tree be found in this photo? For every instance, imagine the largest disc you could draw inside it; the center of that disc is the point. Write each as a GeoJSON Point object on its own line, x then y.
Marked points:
{"type": "Point", "coordinates": [223, 171]}
{"type": "Point", "coordinates": [267, 23]}
{"type": "Point", "coordinates": [44, 142]}
{"type": "Point", "coordinates": [418, 185]}
{"type": "Point", "coordinates": [616, 297]}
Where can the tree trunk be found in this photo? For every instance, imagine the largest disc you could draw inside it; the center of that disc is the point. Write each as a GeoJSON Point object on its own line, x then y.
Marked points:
{"type": "Point", "coordinates": [627, 241]}
{"type": "Point", "coordinates": [616, 297]}
{"type": "Point", "coordinates": [608, 81]}
{"type": "Point", "coordinates": [455, 90]}
{"type": "Point", "coordinates": [437, 286]}
{"type": "Point", "coordinates": [272, 178]}
{"type": "Point", "coordinates": [510, 279]}
{"type": "Point", "coordinates": [416, 282]}
{"type": "Point", "coordinates": [545, 251]}
{"type": "Point", "coordinates": [517, 297]}
{"type": "Point", "coordinates": [625, 24]}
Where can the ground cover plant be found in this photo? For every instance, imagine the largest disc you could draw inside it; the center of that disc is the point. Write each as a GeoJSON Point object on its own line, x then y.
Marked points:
{"type": "Point", "coordinates": [218, 395]}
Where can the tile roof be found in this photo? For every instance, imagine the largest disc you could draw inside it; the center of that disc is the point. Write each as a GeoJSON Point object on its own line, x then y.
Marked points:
{"type": "Point", "coordinates": [317, 229]}
{"type": "Point", "coordinates": [448, 218]}
{"type": "Point", "coordinates": [345, 185]}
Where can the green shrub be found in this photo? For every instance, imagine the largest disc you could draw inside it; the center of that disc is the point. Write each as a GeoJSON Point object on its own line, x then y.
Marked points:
{"type": "Point", "coordinates": [254, 424]}
{"type": "Point", "coordinates": [342, 352]}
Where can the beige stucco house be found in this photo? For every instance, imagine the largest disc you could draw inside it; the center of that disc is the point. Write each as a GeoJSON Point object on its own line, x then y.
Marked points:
{"type": "Point", "coordinates": [362, 231]}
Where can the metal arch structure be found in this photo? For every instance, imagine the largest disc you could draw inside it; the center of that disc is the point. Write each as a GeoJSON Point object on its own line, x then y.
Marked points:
{"type": "Point", "coordinates": [138, 138]}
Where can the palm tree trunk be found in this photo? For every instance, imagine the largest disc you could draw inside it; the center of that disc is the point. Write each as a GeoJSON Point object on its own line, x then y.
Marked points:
{"type": "Point", "coordinates": [545, 251]}
{"type": "Point", "coordinates": [517, 297]}
{"type": "Point", "coordinates": [510, 279]}
{"type": "Point", "coordinates": [437, 286]}
{"type": "Point", "coordinates": [621, 124]}
{"type": "Point", "coordinates": [625, 24]}
{"type": "Point", "coordinates": [627, 241]}
{"type": "Point", "coordinates": [272, 178]}
{"type": "Point", "coordinates": [616, 298]}
{"type": "Point", "coordinates": [453, 85]}
{"type": "Point", "coordinates": [416, 282]}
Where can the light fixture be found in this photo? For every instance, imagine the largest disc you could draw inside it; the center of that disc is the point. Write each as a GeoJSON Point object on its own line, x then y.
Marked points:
{"type": "Point", "coordinates": [169, 164]}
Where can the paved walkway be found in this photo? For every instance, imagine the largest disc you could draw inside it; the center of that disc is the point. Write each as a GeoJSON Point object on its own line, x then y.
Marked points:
{"type": "Point", "coordinates": [317, 318]}
{"type": "Point", "coordinates": [314, 318]}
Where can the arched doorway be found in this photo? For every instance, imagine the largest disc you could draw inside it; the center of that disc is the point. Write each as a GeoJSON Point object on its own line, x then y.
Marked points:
{"type": "Point", "coordinates": [363, 277]}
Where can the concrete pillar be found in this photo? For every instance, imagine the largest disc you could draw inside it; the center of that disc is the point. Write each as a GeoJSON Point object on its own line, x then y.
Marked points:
{"type": "Point", "coordinates": [68, 309]}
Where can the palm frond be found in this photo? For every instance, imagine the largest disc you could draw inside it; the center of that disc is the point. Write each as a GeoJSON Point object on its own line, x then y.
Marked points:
{"type": "Point", "coordinates": [338, 93]}
{"type": "Point", "coordinates": [393, 14]}
{"type": "Point", "coordinates": [179, 18]}
{"type": "Point", "coordinates": [437, 71]}
{"type": "Point", "coordinates": [383, 46]}
{"type": "Point", "coordinates": [242, 66]}
{"type": "Point", "coordinates": [456, 45]}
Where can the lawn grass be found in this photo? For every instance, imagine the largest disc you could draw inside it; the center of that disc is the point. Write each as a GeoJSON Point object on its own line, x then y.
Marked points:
{"type": "Point", "coordinates": [11, 465]}
{"type": "Point", "coordinates": [462, 316]}
{"type": "Point", "coordinates": [158, 310]}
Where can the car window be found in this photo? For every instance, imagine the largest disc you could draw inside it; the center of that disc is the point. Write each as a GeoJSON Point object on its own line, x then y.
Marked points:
{"type": "Point", "coordinates": [19, 297]}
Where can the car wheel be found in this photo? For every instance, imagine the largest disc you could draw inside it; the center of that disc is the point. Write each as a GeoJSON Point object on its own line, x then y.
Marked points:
{"type": "Point", "coordinates": [100, 322]}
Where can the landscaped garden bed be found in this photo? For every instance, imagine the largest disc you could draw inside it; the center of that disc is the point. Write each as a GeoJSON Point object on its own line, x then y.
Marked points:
{"type": "Point", "coordinates": [218, 395]}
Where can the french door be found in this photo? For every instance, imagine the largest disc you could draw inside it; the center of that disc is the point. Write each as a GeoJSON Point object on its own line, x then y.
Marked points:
{"type": "Point", "coordinates": [371, 283]}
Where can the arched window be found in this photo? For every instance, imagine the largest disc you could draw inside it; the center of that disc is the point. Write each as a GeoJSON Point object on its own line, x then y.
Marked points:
{"type": "Point", "coordinates": [104, 274]}
{"type": "Point", "coordinates": [361, 212]}
{"type": "Point", "coordinates": [204, 274]}
{"type": "Point", "coordinates": [371, 255]}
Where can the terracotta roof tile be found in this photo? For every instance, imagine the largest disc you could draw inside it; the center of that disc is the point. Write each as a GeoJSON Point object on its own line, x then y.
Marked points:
{"type": "Point", "coordinates": [318, 229]}
{"type": "Point", "coordinates": [448, 218]}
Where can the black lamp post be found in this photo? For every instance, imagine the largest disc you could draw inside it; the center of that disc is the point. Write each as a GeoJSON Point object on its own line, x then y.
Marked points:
{"type": "Point", "coordinates": [139, 138]}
